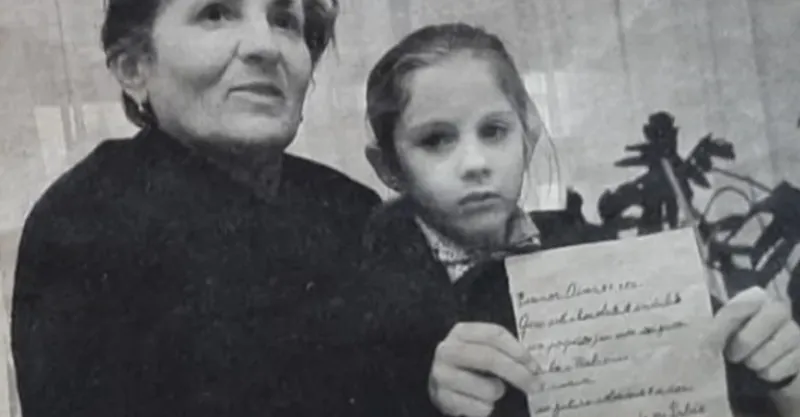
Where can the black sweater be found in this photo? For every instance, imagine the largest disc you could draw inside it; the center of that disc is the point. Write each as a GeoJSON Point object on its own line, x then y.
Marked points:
{"type": "Point", "coordinates": [422, 305]}
{"type": "Point", "coordinates": [149, 283]}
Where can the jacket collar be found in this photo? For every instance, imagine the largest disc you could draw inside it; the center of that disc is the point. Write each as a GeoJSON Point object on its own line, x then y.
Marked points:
{"type": "Point", "coordinates": [523, 237]}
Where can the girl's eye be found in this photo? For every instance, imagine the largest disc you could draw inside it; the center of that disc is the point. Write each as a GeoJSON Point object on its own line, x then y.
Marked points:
{"type": "Point", "coordinates": [434, 141]}
{"type": "Point", "coordinates": [494, 131]}
{"type": "Point", "coordinates": [286, 20]}
{"type": "Point", "coordinates": [215, 13]}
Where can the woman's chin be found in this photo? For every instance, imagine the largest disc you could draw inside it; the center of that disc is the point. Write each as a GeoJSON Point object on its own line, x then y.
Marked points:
{"type": "Point", "coordinates": [271, 132]}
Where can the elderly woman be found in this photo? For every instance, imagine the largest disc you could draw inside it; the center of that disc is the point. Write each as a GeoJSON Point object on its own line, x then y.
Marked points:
{"type": "Point", "coordinates": [196, 268]}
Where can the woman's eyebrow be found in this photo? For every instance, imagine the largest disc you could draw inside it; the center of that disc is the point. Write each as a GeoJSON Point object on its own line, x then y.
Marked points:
{"type": "Point", "coordinates": [291, 6]}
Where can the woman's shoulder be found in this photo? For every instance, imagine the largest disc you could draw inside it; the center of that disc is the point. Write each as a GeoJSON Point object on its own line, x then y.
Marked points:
{"type": "Point", "coordinates": [391, 234]}
{"type": "Point", "coordinates": [328, 183]}
{"type": "Point", "coordinates": [392, 220]}
{"type": "Point", "coordinates": [82, 196]}
{"type": "Point", "coordinates": [322, 175]}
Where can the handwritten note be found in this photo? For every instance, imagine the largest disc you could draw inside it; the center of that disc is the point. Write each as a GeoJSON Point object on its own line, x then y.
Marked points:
{"type": "Point", "coordinates": [618, 329]}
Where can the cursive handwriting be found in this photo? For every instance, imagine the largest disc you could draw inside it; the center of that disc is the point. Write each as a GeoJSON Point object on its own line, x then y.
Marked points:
{"type": "Point", "coordinates": [543, 387]}
{"type": "Point", "coordinates": [678, 409]}
{"type": "Point", "coordinates": [565, 344]}
{"type": "Point", "coordinates": [592, 341]}
{"type": "Point", "coordinates": [612, 396]}
{"type": "Point", "coordinates": [610, 310]}
{"type": "Point", "coordinates": [526, 324]}
{"type": "Point", "coordinates": [574, 290]}
{"type": "Point", "coordinates": [660, 329]}
{"type": "Point", "coordinates": [611, 334]}
{"type": "Point", "coordinates": [595, 360]}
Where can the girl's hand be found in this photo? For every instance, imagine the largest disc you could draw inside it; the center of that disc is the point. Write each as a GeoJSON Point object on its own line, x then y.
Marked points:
{"type": "Point", "coordinates": [470, 365]}
{"type": "Point", "coordinates": [760, 333]}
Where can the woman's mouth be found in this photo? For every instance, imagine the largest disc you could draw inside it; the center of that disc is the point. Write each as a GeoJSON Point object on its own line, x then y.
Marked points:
{"type": "Point", "coordinates": [260, 92]}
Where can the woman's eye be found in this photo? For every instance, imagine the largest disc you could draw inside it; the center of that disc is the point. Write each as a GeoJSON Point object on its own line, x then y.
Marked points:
{"type": "Point", "coordinates": [286, 20]}
{"type": "Point", "coordinates": [216, 12]}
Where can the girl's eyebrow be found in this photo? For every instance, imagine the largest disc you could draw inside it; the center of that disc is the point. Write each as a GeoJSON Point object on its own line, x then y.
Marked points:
{"type": "Point", "coordinates": [500, 114]}
{"type": "Point", "coordinates": [427, 126]}
{"type": "Point", "coordinates": [200, 5]}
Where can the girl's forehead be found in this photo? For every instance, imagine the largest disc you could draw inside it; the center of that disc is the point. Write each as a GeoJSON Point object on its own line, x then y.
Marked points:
{"type": "Point", "coordinates": [454, 89]}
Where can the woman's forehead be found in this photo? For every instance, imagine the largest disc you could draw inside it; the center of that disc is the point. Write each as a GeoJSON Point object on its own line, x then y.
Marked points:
{"type": "Point", "coordinates": [296, 5]}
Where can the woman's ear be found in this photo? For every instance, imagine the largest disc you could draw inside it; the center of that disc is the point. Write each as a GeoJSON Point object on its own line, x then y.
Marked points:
{"type": "Point", "coordinates": [384, 169]}
{"type": "Point", "coordinates": [131, 71]}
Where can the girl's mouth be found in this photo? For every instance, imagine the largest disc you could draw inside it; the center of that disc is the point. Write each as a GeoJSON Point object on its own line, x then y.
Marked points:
{"type": "Point", "coordinates": [479, 200]}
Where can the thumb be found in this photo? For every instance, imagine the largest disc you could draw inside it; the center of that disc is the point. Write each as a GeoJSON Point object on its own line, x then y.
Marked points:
{"type": "Point", "coordinates": [735, 314]}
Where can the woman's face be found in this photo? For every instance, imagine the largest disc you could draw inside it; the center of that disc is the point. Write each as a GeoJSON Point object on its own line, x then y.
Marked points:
{"type": "Point", "coordinates": [229, 72]}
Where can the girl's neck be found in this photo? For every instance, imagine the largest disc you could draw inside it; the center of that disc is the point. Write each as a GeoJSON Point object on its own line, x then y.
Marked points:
{"type": "Point", "coordinates": [519, 229]}
{"type": "Point", "coordinates": [485, 242]}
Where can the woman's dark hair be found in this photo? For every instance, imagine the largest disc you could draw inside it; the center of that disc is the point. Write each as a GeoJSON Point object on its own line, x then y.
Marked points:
{"type": "Point", "coordinates": [387, 93]}
{"type": "Point", "coordinates": [128, 28]}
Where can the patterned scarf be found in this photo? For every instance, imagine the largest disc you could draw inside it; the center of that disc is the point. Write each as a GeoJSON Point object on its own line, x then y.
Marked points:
{"type": "Point", "coordinates": [523, 237]}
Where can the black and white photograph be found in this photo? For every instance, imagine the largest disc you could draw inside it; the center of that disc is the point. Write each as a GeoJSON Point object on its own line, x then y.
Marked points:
{"type": "Point", "coordinates": [400, 208]}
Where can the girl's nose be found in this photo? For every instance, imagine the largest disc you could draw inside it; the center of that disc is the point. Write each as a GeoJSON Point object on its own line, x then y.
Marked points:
{"type": "Point", "coordinates": [257, 41]}
{"type": "Point", "coordinates": [474, 161]}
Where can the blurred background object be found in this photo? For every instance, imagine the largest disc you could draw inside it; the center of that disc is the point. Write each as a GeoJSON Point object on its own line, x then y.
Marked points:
{"type": "Point", "coordinates": [596, 68]}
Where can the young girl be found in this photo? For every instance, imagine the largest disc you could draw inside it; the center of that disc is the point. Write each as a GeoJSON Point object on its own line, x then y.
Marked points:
{"type": "Point", "coordinates": [454, 131]}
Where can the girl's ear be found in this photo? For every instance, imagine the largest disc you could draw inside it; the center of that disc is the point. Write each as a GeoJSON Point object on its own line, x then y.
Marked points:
{"type": "Point", "coordinates": [383, 168]}
{"type": "Point", "coordinates": [131, 71]}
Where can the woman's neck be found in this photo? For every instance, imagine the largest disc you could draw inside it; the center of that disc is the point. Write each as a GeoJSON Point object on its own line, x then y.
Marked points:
{"type": "Point", "coordinates": [257, 167]}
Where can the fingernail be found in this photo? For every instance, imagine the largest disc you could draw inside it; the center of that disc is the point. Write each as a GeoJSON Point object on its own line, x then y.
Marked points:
{"type": "Point", "coordinates": [535, 387]}
{"type": "Point", "coordinates": [526, 355]}
{"type": "Point", "coordinates": [779, 385]}
{"type": "Point", "coordinates": [534, 367]}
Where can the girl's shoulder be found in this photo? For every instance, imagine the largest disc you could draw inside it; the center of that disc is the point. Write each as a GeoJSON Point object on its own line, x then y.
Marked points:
{"type": "Point", "coordinates": [392, 224]}
{"type": "Point", "coordinates": [394, 245]}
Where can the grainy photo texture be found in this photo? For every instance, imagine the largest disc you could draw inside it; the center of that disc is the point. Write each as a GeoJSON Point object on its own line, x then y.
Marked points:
{"type": "Point", "coordinates": [400, 208]}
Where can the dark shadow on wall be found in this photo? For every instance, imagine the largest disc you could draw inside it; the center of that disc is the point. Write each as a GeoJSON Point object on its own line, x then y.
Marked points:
{"type": "Point", "coordinates": [658, 208]}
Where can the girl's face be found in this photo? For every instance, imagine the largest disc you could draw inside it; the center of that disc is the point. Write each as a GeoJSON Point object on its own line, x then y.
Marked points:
{"type": "Point", "coordinates": [460, 148]}
{"type": "Point", "coordinates": [234, 71]}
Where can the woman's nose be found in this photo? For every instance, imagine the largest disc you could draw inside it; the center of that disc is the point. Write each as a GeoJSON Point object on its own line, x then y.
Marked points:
{"type": "Point", "coordinates": [257, 42]}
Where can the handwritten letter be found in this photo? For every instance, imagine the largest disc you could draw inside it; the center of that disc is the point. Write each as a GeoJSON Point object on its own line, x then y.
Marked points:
{"type": "Point", "coordinates": [618, 329]}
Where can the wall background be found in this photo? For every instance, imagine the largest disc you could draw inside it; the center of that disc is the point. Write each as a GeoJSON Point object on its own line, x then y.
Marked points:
{"type": "Point", "coordinates": [596, 68]}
